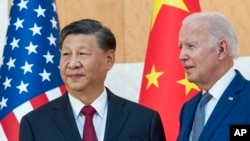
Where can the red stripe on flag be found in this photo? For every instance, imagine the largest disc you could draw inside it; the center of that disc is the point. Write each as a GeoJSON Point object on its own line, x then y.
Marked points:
{"type": "Point", "coordinates": [43, 99]}
{"type": "Point", "coordinates": [63, 89]}
{"type": "Point", "coordinates": [39, 101]}
{"type": "Point", "coordinates": [11, 127]}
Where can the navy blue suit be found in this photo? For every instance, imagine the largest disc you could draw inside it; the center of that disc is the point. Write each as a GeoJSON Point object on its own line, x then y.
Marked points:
{"type": "Point", "coordinates": [126, 121]}
{"type": "Point", "coordinates": [232, 108]}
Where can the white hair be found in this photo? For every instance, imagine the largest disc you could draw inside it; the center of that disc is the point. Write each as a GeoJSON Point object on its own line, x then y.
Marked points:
{"type": "Point", "coordinates": [218, 27]}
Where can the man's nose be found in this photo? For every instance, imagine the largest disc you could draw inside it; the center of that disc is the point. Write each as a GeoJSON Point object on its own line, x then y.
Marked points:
{"type": "Point", "coordinates": [74, 62]}
{"type": "Point", "coordinates": [183, 54]}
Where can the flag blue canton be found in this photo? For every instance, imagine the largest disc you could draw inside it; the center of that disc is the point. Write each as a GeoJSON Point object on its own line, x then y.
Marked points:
{"type": "Point", "coordinates": [30, 63]}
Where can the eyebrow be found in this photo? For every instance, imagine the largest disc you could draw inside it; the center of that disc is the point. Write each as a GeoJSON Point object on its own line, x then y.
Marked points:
{"type": "Point", "coordinates": [188, 43]}
{"type": "Point", "coordinates": [193, 42]}
{"type": "Point", "coordinates": [81, 47]}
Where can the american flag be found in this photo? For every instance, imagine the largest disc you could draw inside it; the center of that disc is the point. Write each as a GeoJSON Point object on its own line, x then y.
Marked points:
{"type": "Point", "coordinates": [29, 73]}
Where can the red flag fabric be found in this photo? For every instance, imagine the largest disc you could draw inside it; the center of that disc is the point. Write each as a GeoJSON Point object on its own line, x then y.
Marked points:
{"type": "Point", "coordinates": [29, 72]}
{"type": "Point", "coordinates": [164, 85]}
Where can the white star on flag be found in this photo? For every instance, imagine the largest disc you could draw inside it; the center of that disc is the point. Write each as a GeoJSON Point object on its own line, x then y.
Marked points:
{"type": "Point", "coordinates": [6, 83]}
{"type": "Point", "coordinates": [19, 23]}
{"type": "Point", "coordinates": [27, 68]}
{"type": "Point", "coordinates": [40, 11]}
{"type": "Point", "coordinates": [36, 30]}
{"type": "Point", "coordinates": [49, 57]}
{"type": "Point", "coordinates": [11, 63]}
{"type": "Point", "coordinates": [22, 87]}
{"type": "Point", "coordinates": [22, 5]}
{"type": "Point", "coordinates": [14, 43]}
{"type": "Point", "coordinates": [3, 103]}
{"type": "Point", "coordinates": [54, 23]}
{"type": "Point", "coordinates": [31, 48]}
{"type": "Point", "coordinates": [52, 40]}
{"type": "Point", "coordinates": [45, 75]}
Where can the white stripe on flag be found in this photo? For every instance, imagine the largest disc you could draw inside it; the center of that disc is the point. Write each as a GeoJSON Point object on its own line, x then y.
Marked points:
{"type": "Point", "coordinates": [53, 93]}
{"type": "Point", "coordinates": [2, 134]}
{"type": "Point", "coordinates": [22, 110]}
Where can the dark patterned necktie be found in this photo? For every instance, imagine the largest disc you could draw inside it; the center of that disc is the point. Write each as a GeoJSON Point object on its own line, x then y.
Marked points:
{"type": "Point", "coordinates": [88, 129]}
{"type": "Point", "coordinates": [199, 118]}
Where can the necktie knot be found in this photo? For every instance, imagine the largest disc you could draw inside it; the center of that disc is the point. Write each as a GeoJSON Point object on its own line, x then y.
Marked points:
{"type": "Point", "coordinates": [88, 111]}
{"type": "Point", "coordinates": [205, 98]}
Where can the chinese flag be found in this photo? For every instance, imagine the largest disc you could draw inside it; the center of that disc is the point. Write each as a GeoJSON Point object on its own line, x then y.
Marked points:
{"type": "Point", "coordinates": [164, 86]}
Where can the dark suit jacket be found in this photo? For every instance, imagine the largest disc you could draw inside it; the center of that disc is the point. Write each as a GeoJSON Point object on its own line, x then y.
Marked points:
{"type": "Point", "coordinates": [126, 121]}
{"type": "Point", "coordinates": [232, 108]}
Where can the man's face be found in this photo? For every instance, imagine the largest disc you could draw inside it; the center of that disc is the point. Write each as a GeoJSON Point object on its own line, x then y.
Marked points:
{"type": "Point", "coordinates": [83, 64]}
{"type": "Point", "coordinates": [198, 56]}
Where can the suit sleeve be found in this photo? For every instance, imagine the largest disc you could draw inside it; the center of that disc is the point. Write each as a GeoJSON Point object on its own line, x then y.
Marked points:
{"type": "Point", "coordinates": [25, 130]}
{"type": "Point", "coordinates": [157, 132]}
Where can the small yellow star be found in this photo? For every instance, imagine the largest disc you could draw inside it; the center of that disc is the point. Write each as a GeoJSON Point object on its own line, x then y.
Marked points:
{"type": "Point", "coordinates": [188, 85]}
{"type": "Point", "coordinates": [174, 3]}
{"type": "Point", "coordinates": [153, 77]}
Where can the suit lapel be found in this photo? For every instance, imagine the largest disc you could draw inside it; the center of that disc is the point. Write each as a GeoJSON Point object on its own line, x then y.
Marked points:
{"type": "Point", "coordinates": [64, 120]}
{"type": "Point", "coordinates": [188, 117]}
{"type": "Point", "coordinates": [192, 110]}
{"type": "Point", "coordinates": [223, 107]}
{"type": "Point", "coordinates": [116, 118]}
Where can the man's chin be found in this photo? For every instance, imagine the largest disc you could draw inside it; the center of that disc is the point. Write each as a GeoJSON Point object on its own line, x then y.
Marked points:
{"type": "Point", "coordinates": [190, 78]}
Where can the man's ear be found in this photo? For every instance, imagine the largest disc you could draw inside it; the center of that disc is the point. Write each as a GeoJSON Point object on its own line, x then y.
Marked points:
{"type": "Point", "coordinates": [110, 59]}
{"type": "Point", "coordinates": [223, 49]}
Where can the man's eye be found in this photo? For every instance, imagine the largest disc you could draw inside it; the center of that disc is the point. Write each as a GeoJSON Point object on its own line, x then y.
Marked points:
{"type": "Point", "coordinates": [83, 53]}
{"type": "Point", "coordinates": [65, 54]}
{"type": "Point", "coordinates": [191, 46]}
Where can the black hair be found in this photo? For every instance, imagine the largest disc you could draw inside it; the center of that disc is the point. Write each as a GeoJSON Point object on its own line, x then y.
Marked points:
{"type": "Point", "coordinates": [105, 38]}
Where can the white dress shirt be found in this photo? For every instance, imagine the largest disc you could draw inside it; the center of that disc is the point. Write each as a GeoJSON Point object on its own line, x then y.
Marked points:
{"type": "Point", "coordinates": [216, 91]}
{"type": "Point", "coordinates": [99, 118]}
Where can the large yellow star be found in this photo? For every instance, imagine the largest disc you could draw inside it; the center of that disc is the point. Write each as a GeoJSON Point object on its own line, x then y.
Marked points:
{"type": "Point", "coordinates": [153, 77]}
{"type": "Point", "coordinates": [188, 85]}
{"type": "Point", "coordinates": [175, 3]}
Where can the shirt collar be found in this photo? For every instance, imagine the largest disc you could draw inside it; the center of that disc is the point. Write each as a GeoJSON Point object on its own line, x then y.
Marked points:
{"type": "Point", "coordinates": [220, 86]}
{"type": "Point", "coordinates": [100, 104]}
